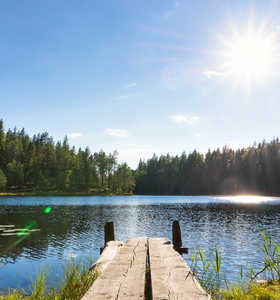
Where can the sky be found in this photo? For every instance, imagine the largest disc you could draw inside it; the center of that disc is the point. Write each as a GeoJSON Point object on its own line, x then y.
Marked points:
{"type": "Point", "coordinates": [142, 77]}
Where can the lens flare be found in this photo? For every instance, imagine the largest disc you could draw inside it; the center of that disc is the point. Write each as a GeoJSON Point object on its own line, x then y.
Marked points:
{"type": "Point", "coordinates": [48, 210]}
{"type": "Point", "coordinates": [24, 231]}
{"type": "Point", "coordinates": [248, 55]}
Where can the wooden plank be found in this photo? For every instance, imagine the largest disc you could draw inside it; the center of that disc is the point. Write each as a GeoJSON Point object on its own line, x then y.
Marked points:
{"type": "Point", "coordinates": [124, 276]}
{"type": "Point", "coordinates": [133, 287]}
{"type": "Point", "coordinates": [111, 250]}
{"type": "Point", "coordinates": [171, 278]}
{"type": "Point", "coordinates": [106, 258]}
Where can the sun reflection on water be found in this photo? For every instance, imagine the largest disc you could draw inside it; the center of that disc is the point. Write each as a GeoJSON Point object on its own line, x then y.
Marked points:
{"type": "Point", "coordinates": [247, 198]}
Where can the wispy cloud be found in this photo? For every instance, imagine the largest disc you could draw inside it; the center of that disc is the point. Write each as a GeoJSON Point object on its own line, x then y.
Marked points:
{"type": "Point", "coordinates": [121, 133]}
{"type": "Point", "coordinates": [131, 85]}
{"type": "Point", "coordinates": [182, 119]}
{"type": "Point", "coordinates": [212, 74]}
{"type": "Point", "coordinates": [74, 135]}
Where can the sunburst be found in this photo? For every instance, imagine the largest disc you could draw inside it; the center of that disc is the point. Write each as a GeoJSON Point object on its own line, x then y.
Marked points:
{"type": "Point", "coordinates": [250, 55]}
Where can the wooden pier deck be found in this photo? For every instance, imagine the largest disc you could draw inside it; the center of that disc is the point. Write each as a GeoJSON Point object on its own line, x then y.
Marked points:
{"type": "Point", "coordinates": [144, 268]}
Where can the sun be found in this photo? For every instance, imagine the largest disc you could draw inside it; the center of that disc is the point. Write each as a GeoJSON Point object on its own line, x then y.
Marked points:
{"type": "Point", "coordinates": [250, 54]}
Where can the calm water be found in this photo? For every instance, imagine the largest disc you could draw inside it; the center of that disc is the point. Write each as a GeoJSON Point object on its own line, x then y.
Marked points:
{"type": "Point", "coordinates": [73, 228]}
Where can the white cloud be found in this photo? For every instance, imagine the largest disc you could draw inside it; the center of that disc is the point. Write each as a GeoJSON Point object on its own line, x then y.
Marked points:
{"type": "Point", "coordinates": [131, 85]}
{"type": "Point", "coordinates": [181, 119]}
{"type": "Point", "coordinates": [212, 73]}
{"type": "Point", "coordinates": [122, 133]}
{"type": "Point", "coordinates": [74, 135]}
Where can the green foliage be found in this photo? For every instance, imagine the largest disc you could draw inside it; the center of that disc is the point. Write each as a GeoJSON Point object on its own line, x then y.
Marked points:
{"type": "Point", "coordinates": [123, 180]}
{"type": "Point", "coordinates": [271, 263]}
{"type": "Point", "coordinates": [264, 291]}
{"type": "Point", "coordinates": [3, 181]}
{"type": "Point", "coordinates": [38, 164]}
{"type": "Point", "coordinates": [2, 145]}
{"type": "Point", "coordinates": [209, 273]}
{"type": "Point", "coordinates": [77, 280]}
{"type": "Point", "coordinates": [208, 270]}
{"type": "Point", "coordinates": [15, 173]}
{"type": "Point", "coordinates": [254, 170]}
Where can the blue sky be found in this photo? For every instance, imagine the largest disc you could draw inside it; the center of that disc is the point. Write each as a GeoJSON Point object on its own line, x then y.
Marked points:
{"type": "Point", "coordinates": [141, 77]}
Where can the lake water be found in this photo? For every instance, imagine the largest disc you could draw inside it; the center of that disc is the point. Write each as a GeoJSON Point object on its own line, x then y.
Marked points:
{"type": "Point", "coordinates": [72, 227]}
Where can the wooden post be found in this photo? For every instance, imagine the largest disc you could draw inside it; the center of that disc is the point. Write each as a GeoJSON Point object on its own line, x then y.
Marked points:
{"type": "Point", "coordinates": [109, 234]}
{"type": "Point", "coordinates": [176, 235]}
{"type": "Point", "coordinates": [177, 238]}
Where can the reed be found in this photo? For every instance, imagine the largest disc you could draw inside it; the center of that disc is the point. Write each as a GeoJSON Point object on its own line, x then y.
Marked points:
{"type": "Point", "coordinates": [76, 281]}
{"type": "Point", "coordinates": [209, 273]}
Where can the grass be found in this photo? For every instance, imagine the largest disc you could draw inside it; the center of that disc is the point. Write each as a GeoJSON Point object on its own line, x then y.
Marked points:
{"type": "Point", "coordinates": [265, 291]}
{"type": "Point", "coordinates": [77, 280]}
{"type": "Point", "coordinates": [208, 271]}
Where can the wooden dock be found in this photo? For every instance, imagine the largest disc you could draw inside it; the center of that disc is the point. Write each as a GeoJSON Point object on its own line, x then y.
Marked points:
{"type": "Point", "coordinates": [144, 268]}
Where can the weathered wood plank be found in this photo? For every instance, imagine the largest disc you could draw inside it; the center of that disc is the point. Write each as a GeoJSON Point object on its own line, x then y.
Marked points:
{"type": "Point", "coordinates": [111, 250]}
{"type": "Point", "coordinates": [124, 277]}
{"type": "Point", "coordinates": [105, 259]}
{"type": "Point", "coordinates": [171, 278]}
{"type": "Point", "coordinates": [133, 287]}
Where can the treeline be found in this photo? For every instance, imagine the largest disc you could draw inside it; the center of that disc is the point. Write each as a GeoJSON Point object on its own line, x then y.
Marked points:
{"type": "Point", "coordinates": [39, 164]}
{"type": "Point", "coordinates": [254, 169]}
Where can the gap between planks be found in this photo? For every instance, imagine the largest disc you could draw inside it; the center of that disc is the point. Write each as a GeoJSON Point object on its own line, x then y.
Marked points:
{"type": "Point", "coordinates": [123, 269]}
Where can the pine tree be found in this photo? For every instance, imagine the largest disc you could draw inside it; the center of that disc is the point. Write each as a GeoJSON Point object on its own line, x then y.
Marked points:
{"type": "Point", "coordinates": [3, 181]}
{"type": "Point", "coordinates": [2, 146]}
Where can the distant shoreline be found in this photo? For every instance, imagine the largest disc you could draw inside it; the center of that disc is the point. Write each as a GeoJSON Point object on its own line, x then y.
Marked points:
{"type": "Point", "coordinates": [104, 193]}
{"type": "Point", "coordinates": [21, 194]}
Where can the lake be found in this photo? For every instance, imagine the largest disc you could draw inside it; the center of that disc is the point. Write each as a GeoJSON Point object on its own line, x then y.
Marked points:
{"type": "Point", "coordinates": [72, 227]}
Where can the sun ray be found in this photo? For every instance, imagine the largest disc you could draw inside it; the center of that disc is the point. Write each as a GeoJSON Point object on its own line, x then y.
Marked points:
{"type": "Point", "coordinates": [249, 55]}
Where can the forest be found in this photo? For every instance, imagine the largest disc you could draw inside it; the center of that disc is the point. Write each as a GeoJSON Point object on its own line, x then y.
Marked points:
{"type": "Point", "coordinates": [254, 170]}
{"type": "Point", "coordinates": [39, 164]}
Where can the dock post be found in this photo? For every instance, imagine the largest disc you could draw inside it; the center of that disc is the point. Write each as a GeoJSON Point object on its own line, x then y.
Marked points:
{"type": "Point", "coordinates": [109, 234]}
{"type": "Point", "coordinates": [177, 238]}
{"type": "Point", "coordinates": [176, 235]}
